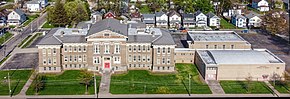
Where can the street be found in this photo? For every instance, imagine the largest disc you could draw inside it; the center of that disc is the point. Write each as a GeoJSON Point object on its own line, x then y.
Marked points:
{"type": "Point", "coordinates": [10, 45]}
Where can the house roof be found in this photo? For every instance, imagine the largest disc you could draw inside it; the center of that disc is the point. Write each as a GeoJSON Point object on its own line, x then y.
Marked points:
{"type": "Point", "coordinates": [197, 13]}
{"type": "Point", "coordinates": [96, 13]}
{"type": "Point", "coordinates": [136, 15]}
{"type": "Point", "coordinates": [33, 2]}
{"type": "Point", "coordinates": [19, 12]}
{"type": "Point", "coordinates": [165, 39]}
{"type": "Point", "coordinates": [211, 15]}
{"type": "Point", "coordinates": [149, 21]}
{"type": "Point", "coordinates": [148, 15]}
{"type": "Point", "coordinates": [239, 16]}
{"type": "Point", "coordinates": [173, 12]}
{"type": "Point", "coordinates": [187, 15]}
{"type": "Point", "coordinates": [110, 24]}
{"type": "Point", "coordinates": [159, 14]}
{"type": "Point", "coordinates": [50, 39]}
{"type": "Point", "coordinates": [251, 15]}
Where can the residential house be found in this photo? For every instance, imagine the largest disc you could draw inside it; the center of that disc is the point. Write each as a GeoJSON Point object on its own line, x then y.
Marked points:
{"type": "Point", "coordinates": [174, 19]}
{"type": "Point", "coordinates": [261, 5]}
{"type": "Point", "coordinates": [2, 31]}
{"type": "Point", "coordinates": [44, 3]}
{"type": "Point", "coordinates": [239, 21]}
{"type": "Point", "coordinates": [286, 3]}
{"type": "Point", "coordinates": [149, 20]}
{"type": "Point", "coordinates": [34, 6]}
{"type": "Point", "coordinates": [161, 20]}
{"type": "Point", "coordinates": [109, 14]}
{"type": "Point", "coordinates": [16, 17]}
{"type": "Point", "coordinates": [232, 12]}
{"type": "Point", "coordinates": [188, 21]}
{"type": "Point", "coordinates": [253, 19]}
{"type": "Point", "coordinates": [200, 19]}
{"type": "Point", "coordinates": [213, 20]}
{"type": "Point", "coordinates": [96, 16]}
{"type": "Point", "coordinates": [136, 16]}
{"type": "Point", "coordinates": [3, 21]}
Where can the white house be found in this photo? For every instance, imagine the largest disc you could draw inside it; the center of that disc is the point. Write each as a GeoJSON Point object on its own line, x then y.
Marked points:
{"type": "Point", "coordinates": [213, 20]}
{"type": "Point", "coordinates": [161, 19]}
{"type": "Point", "coordinates": [174, 19]}
{"type": "Point", "coordinates": [44, 3]}
{"type": "Point", "coordinates": [253, 19]}
{"type": "Point", "coordinates": [232, 12]}
{"type": "Point", "coordinates": [200, 19]}
{"type": "Point", "coordinates": [261, 5]}
{"type": "Point", "coordinates": [16, 17]}
{"type": "Point", "coordinates": [188, 21]}
{"type": "Point", "coordinates": [34, 6]}
{"type": "Point", "coordinates": [239, 21]}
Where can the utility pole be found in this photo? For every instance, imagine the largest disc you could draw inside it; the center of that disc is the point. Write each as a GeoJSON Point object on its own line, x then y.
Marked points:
{"type": "Point", "coordinates": [9, 85]}
{"type": "Point", "coordinates": [95, 83]}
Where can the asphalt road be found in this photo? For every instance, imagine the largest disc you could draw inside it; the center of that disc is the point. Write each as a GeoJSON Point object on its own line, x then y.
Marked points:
{"type": "Point", "coordinates": [32, 27]}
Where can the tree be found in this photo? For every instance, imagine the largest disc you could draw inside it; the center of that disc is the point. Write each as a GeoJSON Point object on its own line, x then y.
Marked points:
{"type": "Point", "coordinates": [249, 83]}
{"type": "Point", "coordinates": [57, 15]}
{"type": "Point", "coordinates": [86, 79]}
{"type": "Point", "coordinates": [204, 5]}
{"type": "Point", "coordinates": [39, 83]}
{"type": "Point", "coordinates": [76, 11]}
{"type": "Point", "coordinates": [274, 22]}
{"type": "Point", "coordinates": [186, 5]}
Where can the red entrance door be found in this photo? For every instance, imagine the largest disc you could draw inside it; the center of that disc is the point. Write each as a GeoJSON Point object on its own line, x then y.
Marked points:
{"type": "Point", "coordinates": [107, 65]}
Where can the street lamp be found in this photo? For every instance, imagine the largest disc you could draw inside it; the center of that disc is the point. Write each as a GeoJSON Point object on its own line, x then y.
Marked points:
{"type": "Point", "coordinates": [8, 84]}
{"type": "Point", "coordinates": [189, 79]}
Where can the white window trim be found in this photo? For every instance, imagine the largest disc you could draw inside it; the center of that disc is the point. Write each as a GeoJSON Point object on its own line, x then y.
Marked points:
{"type": "Point", "coordinates": [97, 49]}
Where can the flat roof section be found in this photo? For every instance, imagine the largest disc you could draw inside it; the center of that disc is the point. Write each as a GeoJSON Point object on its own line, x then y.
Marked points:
{"type": "Point", "coordinates": [214, 36]}
{"type": "Point", "coordinates": [238, 57]}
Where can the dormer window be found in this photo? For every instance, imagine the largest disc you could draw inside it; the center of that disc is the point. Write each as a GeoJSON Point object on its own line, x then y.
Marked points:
{"type": "Point", "coordinates": [106, 34]}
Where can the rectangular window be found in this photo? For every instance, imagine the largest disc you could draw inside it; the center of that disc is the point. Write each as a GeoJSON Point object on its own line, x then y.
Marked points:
{"type": "Point", "coordinates": [84, 48]}
{"type": "Point", "coordinates": [54, 51]}
{"type": "Point", "coordinates": [84, 58]}
{"type": "Point", "coordinates": [49, 61]}
{"type": "Point", "coordinates": [97, 60]}
{"type": "Point", "coordinates": [144, 48]}
{"type": "Point", "coordinates": [130, 58]}
{"type": "Point", "coordinates": [134, 48]}
{"type": "Point", "coordinates": [80, 48]}
{"type": "Point", "coordinates": [65, 58]}
{"type": "Point", "coordinates": [215, 46]}
{"type": "Point", "coordinates": [144, 58]}
{"type": "Point", "coordinates": [148, 48]}
{"type": "Point", "coordinates": [54, 61]}
{"type": "Point", "coordinates": [49, 68]}
{"type": "Point", "coordinates": [107, 49]}
{"type": "Point", "coordinates": [206, 46]}
{"type": "Point", "coordinates": [75, 48]}
{"type": "Point", "coordinates": [139, 48]}
{"type": "Point", "coordinates": [117, 60]}
{"type": "Point", "coordinates": [134, 58]}
{"type": "Point", "coordinates": [163, 50]}
{"type": "Point", "coordinates": [139, 58]}
{"type": "Point", "coordinates": [44, 61]}
{"type": "Point", "coordinates": [65, 48]}
{"type": "Point", "coordinates": [70, 48]}
{"type": "Point", "coordinates": [158, 50]}
{"type": "Point", "coordinates": [158, 60]}
{"type": "Point", "coordinates": [80, 58]}
{"type": "Point", "coordinates": [117, 49]}
{"type": "Point", "coordinates": [44, 68]}
{"type": "Point", "coordinates": [163, 60]}
{"type": "Point", "coordinates": [130, 48]}
{"type": "Point", "coordinates": [48, 52]}
{"type": "Point", "coordinates": [168, 50]}
{"type": "Point", "coordinates": [44, 52]}
{"type": "Point", "coordinates": [54, 68]}
{"type": "Point", "coordinates": [168, 60]}
{"type": "Point", "coordinates": [97, 49]}
{"type": "Point", "coordinates": [70, 58]}
{"type": "Point", "coordinates": [232, 46]}
{"type": "Point", "coordinates": [75, 58]}
{"type": "Point", "coordinates": [224, 46]}
{"type": "Point", "coordinates": [148, 58]}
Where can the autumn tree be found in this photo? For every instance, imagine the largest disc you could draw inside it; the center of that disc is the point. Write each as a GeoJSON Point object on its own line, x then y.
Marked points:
{"type": "Point", "coordinates": [38, 83]}
{"type": "Point", "coordinates": [86, 79]}
{"type": "Point", "coordinates": [274, 22]}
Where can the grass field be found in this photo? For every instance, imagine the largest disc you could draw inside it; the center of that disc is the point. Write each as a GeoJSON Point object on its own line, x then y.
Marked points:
{"type": "Point", "coordinates": [47, 25]}
{"type": "Point", "coordinates": [18, 79]}
{"type": "Point", "coordinates": [64, 84]}
{"type": "Point", "coordinates": [30, 19]}
{"type": "Point", "coordinates": [281, 87]}
{"type": "Point", "coordinates": [5, 37]}
{"type": "Point", "coordinates": [227, 25]}
{"type": "Point", "coordinates": [142, 82]}
{"type": "Point", "coordinates": [239, 87]}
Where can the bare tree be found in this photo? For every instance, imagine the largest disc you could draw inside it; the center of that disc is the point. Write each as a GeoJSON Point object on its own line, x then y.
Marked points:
{"type": "Point", "coordinates": [275, 23]}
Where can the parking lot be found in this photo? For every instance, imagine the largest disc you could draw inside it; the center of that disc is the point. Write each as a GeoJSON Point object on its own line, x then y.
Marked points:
{"type": "Point", "coordinates": [276, 45]}
{"type": "Point", "coordinates": [22, 61]}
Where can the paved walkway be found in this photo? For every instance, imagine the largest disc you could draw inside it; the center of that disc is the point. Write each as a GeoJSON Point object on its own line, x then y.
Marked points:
{"type": "Point", "coordinates": [276, 93]}
{"type": "Point", "coordinates": [215, 87]}
{"type": "Point", "coordinates": [27, 84]}
{"type": "Point", "coordinates": [105, 83]}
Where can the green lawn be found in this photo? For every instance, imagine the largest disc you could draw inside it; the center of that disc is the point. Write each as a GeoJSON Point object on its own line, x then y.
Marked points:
{"type": "Point", "coordinates": [239, 87]}
{"type": "Point", "coordinates": [64, 84]}
{"type": "Point", "coordinates": [18, 79]}
{"type": "Point", "coordinates": [23, 41]}
{"type": "Point", "coordinates": [143, 82]}
{"type": "Point", "coordinates": [47, 25]}
{"type": "Point", "coordinates": [281, 87]}
{"type": "Point", "coordinates": [30, 19]}
{"type": "Point", "coordinates": [31, 39]}
{"type": "Point", "coordinates": [227, 25]}
{"type": "Point", "coordinates": [5, 37]}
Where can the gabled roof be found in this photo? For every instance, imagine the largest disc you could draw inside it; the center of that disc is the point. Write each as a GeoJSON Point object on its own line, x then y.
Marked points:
{"type": "Point", "coordinates": [251, 15]}
{"type": "Point", "coordinates": [33, 2]}
{"type": "Point", "coordinates": [110, 24]}
{"type": "Point", "coordinates": [239, 16]}
{"type": "Point", "coordinates": [173, 12]}
{"type": "Point", "coordinates": [165, 39]}
{"type": "Point", "coordinates": [96, 13]}
{"type": "Point", "coordinates": [136, 15]}
{"type": "Point", "coordinates": [159, 14]}
{"type": "Point", "coordinates": [50, 39]}
{"type": "Point", "coordinates": [19, 12]}
{"type": "Point", "coordinates": [187, 15]}
{"type": "Point", "coordinates": [197, 13]}
{"type": "Point", "coordinates": [148, 15]}
{"type": "Point", "coordinates": [211, 15]}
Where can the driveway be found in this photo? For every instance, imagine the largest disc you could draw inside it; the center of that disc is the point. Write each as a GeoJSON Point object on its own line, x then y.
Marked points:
{"type": "Point", "coordinates": [276, 45]}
